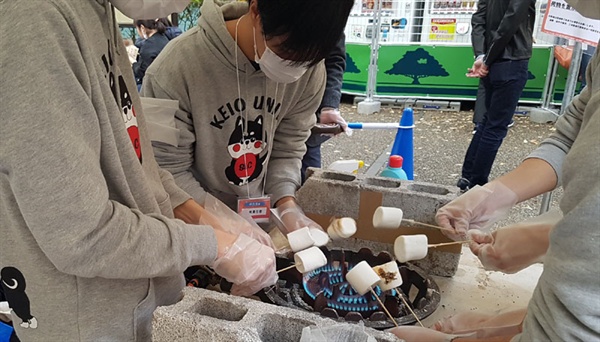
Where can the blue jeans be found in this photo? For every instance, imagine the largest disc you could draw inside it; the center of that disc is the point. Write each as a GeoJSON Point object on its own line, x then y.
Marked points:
{"type": "Point", "coordinates": [503, 87]}
{"type": "Point", "coordinates": [312, 157]}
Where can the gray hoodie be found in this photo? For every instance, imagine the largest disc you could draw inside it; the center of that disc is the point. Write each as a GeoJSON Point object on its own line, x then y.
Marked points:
{"type": "Point", "coordinates": [87, 246]}
{"type": "Point", "coordinates": [566, 304]}
{"type": "Point", "coordinates": [212, 152]}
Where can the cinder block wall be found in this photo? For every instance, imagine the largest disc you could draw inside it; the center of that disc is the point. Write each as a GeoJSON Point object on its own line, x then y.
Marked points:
{"type": "Point", "coordinates": [328, 194]}
{"type": "Point", "coordinates": [205, 315]}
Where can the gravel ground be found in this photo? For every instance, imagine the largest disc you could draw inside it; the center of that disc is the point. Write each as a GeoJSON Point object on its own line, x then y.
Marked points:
{"type": "Point", "coordinates": [440, 142]}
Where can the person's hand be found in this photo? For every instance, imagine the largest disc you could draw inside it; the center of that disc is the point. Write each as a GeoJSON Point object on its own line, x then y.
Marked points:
{"type": "Point", "coordinates": [479, 69]}
{"type": "Point", "coordinates": [513, 248]}
{"type": "Point", "coordinates": [219, 216]}
{"type": "Point", "coordinates": [478, 208]}
{"type": "Point", "coordinates": [332, 116]}
{"type": "Point", "coordinates": [418, 334]}
{"type": "Point", "coordinates": [293, 217]}
{"type": "Point", "coordinates": [246, 263]}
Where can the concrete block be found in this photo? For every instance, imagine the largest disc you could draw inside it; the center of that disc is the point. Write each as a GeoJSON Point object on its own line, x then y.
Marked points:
{"type": "Point", "coordinates": [454, 106]}
{"type": "Point", "coordinates": [205, 315]}
{"type": "Point", "coordinates": [368, 107]}
{"type": "Point", "coordinates": [542, 115]}
{"type": "Point", "coordinates": [329, 194]}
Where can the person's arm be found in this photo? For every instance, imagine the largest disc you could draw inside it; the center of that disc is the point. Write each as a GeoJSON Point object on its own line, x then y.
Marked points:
{"type": "Point", "coordinates": [178, 160]}
{"type": "Point", "coordinates": [478, 23]}
{"type": "Point", "coordinates": [517, 12]}
{"type": "Point", "coordinates": [52, 149]}
{"type": "Point", "coordinates": [335, 65]}
{"type": "Point", "coordinates": [283, 168]}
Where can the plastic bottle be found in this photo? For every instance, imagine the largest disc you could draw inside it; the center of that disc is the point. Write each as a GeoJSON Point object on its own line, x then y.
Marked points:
{"type": "Point", "coordinates": [351, 165]}
{"type": "Point", "coordinates": [394, 168]}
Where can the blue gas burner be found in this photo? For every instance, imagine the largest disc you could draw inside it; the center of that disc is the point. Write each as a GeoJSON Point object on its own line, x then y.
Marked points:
{"type": "Point", "coordinates": [326, 291]}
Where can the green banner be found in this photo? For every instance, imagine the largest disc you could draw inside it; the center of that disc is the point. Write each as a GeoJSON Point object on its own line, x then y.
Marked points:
{"type": "Point", "coordinates": [428, 71]}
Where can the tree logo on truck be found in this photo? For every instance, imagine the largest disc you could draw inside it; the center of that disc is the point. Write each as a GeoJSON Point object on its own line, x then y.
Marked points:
{"type": "Point", "coordinates": [418, 64]}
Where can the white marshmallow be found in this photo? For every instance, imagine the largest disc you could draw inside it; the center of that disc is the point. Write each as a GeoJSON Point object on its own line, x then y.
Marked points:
{"type": "Point", "coordinates": [321, 238]}
{"type": "Point", "coordinates": [389, 275]}
{"type": "Point", "coordinates": [387, 218]}
{"type": "Point", "coordinates": [410, 247]}
{"type": "Point", "coordinates": [300, 239]}
{"type": "Point", "coordinates": [362, 277]}
{"type": "Point", "coordinates": [342, 228]}
{"type": "Point", "coordinates": [309, 259]}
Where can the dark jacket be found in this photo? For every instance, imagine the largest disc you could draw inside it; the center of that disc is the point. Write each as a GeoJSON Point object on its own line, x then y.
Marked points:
{"type": "Point", "coordinates": [148, 52]}
{"type": "Point", "coordinates": [335, 64]}
{"type": "Point", "coordinates": [503, 29]}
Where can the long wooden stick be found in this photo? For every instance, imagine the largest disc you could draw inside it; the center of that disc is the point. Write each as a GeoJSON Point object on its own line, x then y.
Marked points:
{"type": "Point", "coordinates": [409, 308]}
{"type": "Point", "coordinates": [448, 243]}
{"type": "Point", "coordinates": [384, 308]}
{"type": "Point", "coordinates": [426, 225]}
{"type": "Point", "coordinates": [286, 268]}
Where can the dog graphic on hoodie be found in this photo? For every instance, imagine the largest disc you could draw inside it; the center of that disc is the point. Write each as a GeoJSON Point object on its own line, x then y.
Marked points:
{"type": "Point", "coordinates": [12, 286]}
{"type": "Point", "coordinates": [245, 146]}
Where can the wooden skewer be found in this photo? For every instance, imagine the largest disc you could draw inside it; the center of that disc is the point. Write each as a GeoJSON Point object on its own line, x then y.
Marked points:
{"type": "Point", "coordinates": [448, 243]}
{"type": "Point", "coordinates": [409, 308]}
{"type": "Point", "coordinates": [426, 225]}
{"type": "Point", "coordinates": [384, 308]}
{"type": "Point", "coordinates": [286, 268]}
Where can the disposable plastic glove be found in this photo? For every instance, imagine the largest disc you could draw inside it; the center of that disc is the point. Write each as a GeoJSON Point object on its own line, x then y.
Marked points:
{"type": "Point", "coordinates": [248, 264]}
{"type": "Point", "coordinates": [419, 334]}
{"type": "Point", "coordinates": [513, 248]}
{"type": "Point", "coordinates": [332, 116]}
{"type": "Point", "coordinates": [478, 208]}
{"type": "Point", "coordinates": [293, 218]}
{"type": "Point", "coordinates": [219, 216]}
{"type": "Point", "coordinates": [483, 325]}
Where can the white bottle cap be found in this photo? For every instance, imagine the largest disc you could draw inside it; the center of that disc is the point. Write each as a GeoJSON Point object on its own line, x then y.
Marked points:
{"type": "Point", "coordinates": [362, 277]}
{"type": "Point", "coordinates": [300, 239]}
{"type": "Point", "coordinates": [387, 218]}
{"type": "Point", "coordinates": [309, 259]}
{"type": "Point", "coordinates": [389, 275]}
{"type": "Point", "coordinates": [410, 247]}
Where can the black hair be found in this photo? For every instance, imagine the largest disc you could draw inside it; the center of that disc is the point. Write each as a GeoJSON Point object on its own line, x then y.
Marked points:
{"type": "Point", "coordinates": [160, 24]}
{"type": "Point", "coordinates": [311, 27]}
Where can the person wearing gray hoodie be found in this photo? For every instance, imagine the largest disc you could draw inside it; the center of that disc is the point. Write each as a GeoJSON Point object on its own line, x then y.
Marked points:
{"type": "Point", "coordinates": [248, 80]}
{"type": "Point", "coordinates": [89, 243]}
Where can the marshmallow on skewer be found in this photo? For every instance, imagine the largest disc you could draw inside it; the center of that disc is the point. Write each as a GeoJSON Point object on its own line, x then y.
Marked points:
{"type": "Point", "coordinates": [300, 239]}
{"type": "Point", "coordinates": [321, 238]}
{"type": "Point", "coordinates": [387, 218]}
{"type": "Point", "coordinates": [389, 275]}
{"type": "Point", "coordinates": [410, 247]}
{"type": "Point", "coordinates": [362, 278]}
{"type": "Point", "coordinates": [309, 259]}
{"type": "Point", "coordinates": [342, 228]}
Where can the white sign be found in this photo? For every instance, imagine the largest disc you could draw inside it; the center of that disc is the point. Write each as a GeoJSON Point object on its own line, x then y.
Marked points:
{"type": "Point", "coordinates": [564, 21]}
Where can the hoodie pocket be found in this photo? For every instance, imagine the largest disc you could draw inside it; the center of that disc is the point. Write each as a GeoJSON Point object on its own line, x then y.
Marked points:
{"type": "Point", "coordinates": [142, 315]}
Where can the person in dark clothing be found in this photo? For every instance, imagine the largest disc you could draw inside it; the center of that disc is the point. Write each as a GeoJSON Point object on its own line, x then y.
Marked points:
{"type": "Point", "coordinates": [153, 31]}
{"type": "Point", "coordinates": [480, 110]}
{"type": "Point", "coordinates": [171, 32]}
{"type": "Point", "coordinates": [502, 42]}
{"type": "Point", "coordinates": [328, 112]}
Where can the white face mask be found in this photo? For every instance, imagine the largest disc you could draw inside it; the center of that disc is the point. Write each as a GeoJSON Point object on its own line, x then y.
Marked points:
{"type": "Point", "coordinates": [149, 9]}
{"type": "Point", "coordinates": [276, 68]}
{"type": "Point", "coordinates": [587, 8]}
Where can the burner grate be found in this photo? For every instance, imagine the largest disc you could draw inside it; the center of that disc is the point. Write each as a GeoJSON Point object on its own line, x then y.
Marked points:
{"type": "Point", "coordinates": [326, 291]}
